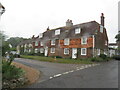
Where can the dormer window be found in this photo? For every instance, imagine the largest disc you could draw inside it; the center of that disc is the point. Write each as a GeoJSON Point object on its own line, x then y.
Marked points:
{"type": "Point", "coordinates": [66, 41]}
{"type": "Point", "coordinates": [57, 32]}
{"type": "Point", "coordinates": [77, 30]}
{"type": "Point", "coordinates": [84, 40]}
{"type": "Point", "coordinates": [53, 42]}
{"type": "Point", "coordinates": [101, 28]}
{"type": "Point", "coordinates": [40, 35]}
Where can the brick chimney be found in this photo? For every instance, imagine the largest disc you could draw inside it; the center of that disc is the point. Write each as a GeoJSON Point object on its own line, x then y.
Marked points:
{"type": "Point", "coordinates": [69, 23]}
{"type": "Point", "coordinates": [102, 19]}
{"type": "Point", "coordinates": [48, 28]}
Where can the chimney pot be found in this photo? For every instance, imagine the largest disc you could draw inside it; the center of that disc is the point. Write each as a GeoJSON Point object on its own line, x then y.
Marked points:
{"type": "Point", "coordinates": [69, 23]}
{"type": "Point", "coordinates": [102, 19]}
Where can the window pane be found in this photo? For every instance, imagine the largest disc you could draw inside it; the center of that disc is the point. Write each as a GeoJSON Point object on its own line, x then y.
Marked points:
{"type": "Point", "coordinates": [66, 50]}
{"type": "Point", "coordinates": [83, 51]}
{"type": "Point", "coordinates": [52, 42]}
{"type": "Point", "coordinates": [57, 32]}
{"type": "Point", "coordinates": [84, 40]}
{"type": "Point", "coordinates": [52, 50]}
{"type": "Point", "coordinates": [40, 35]}
{"type": "Point", "coordinates": [77, 30]}
{"type": "Point", "coordinates": [66, 41]}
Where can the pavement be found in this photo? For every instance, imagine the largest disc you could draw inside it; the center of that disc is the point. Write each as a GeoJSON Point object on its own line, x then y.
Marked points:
{"type": "Point", "coordinates": [55, 75]}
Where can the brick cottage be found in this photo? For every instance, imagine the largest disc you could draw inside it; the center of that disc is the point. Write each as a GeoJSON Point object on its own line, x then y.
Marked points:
{"type": "Point", "coordinates": [71, 41]}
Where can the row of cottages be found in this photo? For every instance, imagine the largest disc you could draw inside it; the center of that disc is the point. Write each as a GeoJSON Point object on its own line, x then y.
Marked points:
{"type": "Point", "coordinates": [71, 41]}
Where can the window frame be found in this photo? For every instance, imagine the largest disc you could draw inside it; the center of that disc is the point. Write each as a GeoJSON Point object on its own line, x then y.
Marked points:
{"type": "Point", "coordinates": [41, 43]}
{"type": "Point", "coordinates": [84, 54]}
{"type": "Point", "coordinates": [40, 35]}
{"type": "Point", "coordinates": [53, 42]}
{"type": "Point", "coordinates": [65, 51]}
{"type": "Point", "coordinates": [77, 30]}
{"type": "Point", "coordinates": [83, 39]}
{"type": "Point", "coordinates": [52, 50]}
{"type": "Point", "coordinates": [57, 32]}
{"type": "Point", "coordinates": [36, 49]}
{"type": "Point", "coordinates": [41, 50]}
{"type": "Point", "coordinates": [66, 41]}
{"type": "Point", "coordinates": [36, 43]}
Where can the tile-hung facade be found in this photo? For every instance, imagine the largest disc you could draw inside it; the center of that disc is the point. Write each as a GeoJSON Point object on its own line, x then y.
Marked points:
{"type": "Point", "coordinates": [71, 41]}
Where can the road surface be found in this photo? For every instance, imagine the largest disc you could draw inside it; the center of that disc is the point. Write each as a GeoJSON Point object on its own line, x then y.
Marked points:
{"type": "Point", "coordinates": [54, 75]}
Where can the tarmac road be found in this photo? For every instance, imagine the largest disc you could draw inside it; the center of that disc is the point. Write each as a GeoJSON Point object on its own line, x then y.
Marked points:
{"type": "Point", "coordinates": [104, 75]}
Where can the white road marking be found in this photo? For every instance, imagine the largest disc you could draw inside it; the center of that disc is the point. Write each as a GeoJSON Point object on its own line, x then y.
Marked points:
{"type": "Point", "coordinates": [57, 75]}
{"type": "Point", "coordinates": [77, 68]}
{"type": "Point", "coordinates": [81, 68]}
{"type": "Point", "coordinates": [71, 71]}
{"type": "Point", "coordinates": [65, 72]}
{"type": "Point", "coordinates": [51, 77]}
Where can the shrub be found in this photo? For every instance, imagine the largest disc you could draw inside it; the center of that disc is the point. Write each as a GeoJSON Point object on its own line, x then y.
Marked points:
{"type": "Point", "coordinates": [58, 57]}
{"type": "Point", "coordinates": [97, 59]}
{"type": "Point", "coordinates": [103, 56]}
{"type": "Point", "coordinates": [10, 71]}
{"type": "Point", "coordinates": [12, 76]}
{"type": "Point", "coordinates": [116, 57]}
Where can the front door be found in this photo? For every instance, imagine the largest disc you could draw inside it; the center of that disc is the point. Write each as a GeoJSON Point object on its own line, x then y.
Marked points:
{"type": "Point", "coordinates": [46, 51]}
{"type": "Point", "coordinates": [74, 53]}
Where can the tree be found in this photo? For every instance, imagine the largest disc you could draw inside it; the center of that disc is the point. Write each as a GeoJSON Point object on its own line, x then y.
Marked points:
{"type": "Point", "coordinates": [14, 41]}
{"type": "Point", "coordinates": [4, 44]}
{"type": "Point", "coordinates": [117, 37]}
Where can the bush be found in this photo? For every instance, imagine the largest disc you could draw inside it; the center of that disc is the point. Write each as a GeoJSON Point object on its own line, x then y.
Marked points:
{"type": "Point", "coordinates": [97, 59]}
{"type": "Point", "coordinates": [103, 56]}
{"type": "Point", "coordinates": [12, 76]}
{"type": "Point", "coordinates": [116, 57]}
{"type": "Point", "coordinates": [58, 57]}
{"type": "Point", "coordinates": [9, 71]}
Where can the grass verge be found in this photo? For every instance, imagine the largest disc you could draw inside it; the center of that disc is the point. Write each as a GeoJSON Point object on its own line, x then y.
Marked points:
{"type": "Point", "coordinates": [58, 60]}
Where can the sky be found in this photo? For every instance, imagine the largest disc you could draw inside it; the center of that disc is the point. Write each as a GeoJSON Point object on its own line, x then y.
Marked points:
{"type": "Point", "coordinates": [25, 18]}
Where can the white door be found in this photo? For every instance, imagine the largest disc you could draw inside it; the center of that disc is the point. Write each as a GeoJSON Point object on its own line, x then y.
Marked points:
{"type": "Point", "coordinates": [46, 51]}
{"type": "Point", "coordinates": [74, 53]}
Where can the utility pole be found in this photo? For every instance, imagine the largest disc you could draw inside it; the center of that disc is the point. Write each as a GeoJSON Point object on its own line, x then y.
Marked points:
{"type": "Point", "coordinates": [118, 27]}
{"type": "Point", "coordinates": [2, 10]}
{"type": "Point", "coordinates": [93, 44]}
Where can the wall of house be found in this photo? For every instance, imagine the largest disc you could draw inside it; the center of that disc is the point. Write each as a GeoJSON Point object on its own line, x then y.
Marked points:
{"type": "Point", "coordinates": [76, 43]}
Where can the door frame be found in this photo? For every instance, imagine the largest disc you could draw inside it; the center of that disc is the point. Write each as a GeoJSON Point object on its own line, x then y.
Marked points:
{"type": "Point", "coordinates": [73, 51]}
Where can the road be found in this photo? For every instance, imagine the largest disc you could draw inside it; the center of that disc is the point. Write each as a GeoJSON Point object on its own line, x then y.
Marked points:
{"type": "Point", "coordinates": [56, 75]}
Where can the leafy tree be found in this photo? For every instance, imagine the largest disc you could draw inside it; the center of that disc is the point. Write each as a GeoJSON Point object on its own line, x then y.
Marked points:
{"type": "Point", "coordinates": [117, 37]}
{"type": "Point", "coordinates": [14, 41]}
{"type": "Point", "coordinates": [3, 44]}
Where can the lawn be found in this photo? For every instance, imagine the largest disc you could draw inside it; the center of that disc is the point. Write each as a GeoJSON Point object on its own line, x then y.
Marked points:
{"type": "Point", "coordinates": [58, 60]}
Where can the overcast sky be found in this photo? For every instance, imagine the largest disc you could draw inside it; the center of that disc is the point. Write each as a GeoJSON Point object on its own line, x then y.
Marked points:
{"type": "Point", "coordinates": [24, 18]}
